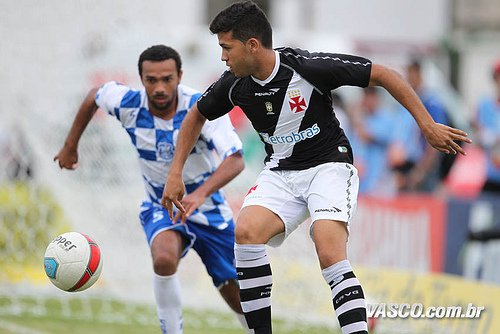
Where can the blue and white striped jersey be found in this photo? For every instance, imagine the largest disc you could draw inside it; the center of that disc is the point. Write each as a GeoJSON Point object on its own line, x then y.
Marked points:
{"type": "Point", "coordinates": [155, 140]}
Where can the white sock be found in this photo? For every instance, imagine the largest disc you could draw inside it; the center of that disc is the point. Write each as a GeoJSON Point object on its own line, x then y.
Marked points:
{"type": "Point", "coordinates": [167, 290]}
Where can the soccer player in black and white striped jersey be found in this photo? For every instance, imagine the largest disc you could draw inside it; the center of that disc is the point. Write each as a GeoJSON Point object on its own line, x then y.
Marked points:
{"type": "Point", "coordinates": [286, 94]}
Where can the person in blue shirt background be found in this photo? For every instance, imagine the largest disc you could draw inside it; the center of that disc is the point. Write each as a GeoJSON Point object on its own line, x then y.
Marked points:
{"type": "Point", "coordinates": [373, 133]}
{"type": "Point", "coordinates": [487, 123]}
{"type": "Point", "coordinates": [423, 168]}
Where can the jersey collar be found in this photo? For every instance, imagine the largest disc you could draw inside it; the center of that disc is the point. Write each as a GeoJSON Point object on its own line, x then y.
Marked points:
{"type": "Point", "coordinates": [273, 73]}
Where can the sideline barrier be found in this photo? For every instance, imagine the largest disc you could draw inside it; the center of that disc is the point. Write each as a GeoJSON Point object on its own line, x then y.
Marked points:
{"type": "Point", "coordinates": [467, 253]}
{"type": "Point", "coordinates": [394, 286]}
{"type": "Point", "coordinates": [405, 232]}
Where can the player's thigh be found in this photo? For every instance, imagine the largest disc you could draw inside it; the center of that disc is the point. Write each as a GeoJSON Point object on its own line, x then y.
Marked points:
{"type": "Point", "coordinates": [271, 211]}
{"type": "Point", "coordinates": [168, 241]}
{"type": "Point", "coordinates": [216, 250]}
{"type": "Point", "coordinates": [167, 246]}
{"type": "Point", "coordinates": [330, 241]}
{"type": "Point", "coordinates": [332, 193]}
{"type": "Point", "coordinates": [257, 225]}
{"type": "Point", "coordinates": [332, 200]}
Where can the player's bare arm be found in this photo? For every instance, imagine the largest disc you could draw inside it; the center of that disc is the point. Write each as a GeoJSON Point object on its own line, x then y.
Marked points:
{"type": "Point", "coordinates": [228, 169]}
{"type": "Point", "coordinates": [68, 155]}
{"type": "Point", "coordinates": [188, 135]}
{"type": "Point", "coordinates": [439, 136]}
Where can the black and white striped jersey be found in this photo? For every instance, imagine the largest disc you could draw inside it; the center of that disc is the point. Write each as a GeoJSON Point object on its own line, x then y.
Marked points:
{"type": "Point", "coordinates": [292, 109]}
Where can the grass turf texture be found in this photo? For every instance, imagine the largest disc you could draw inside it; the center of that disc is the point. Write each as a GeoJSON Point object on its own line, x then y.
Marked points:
{"type": "Point", "coordinates": [113, 317]}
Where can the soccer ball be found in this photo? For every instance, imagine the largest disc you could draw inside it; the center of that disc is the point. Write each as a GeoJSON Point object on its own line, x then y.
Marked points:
{"type": "Point", "coordinates": [73, 261]}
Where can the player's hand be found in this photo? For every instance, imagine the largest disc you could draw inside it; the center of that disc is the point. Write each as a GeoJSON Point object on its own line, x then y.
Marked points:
{"type": "Point", "coordinates": [173, 192]}
{"type": "Point", "coordinates": [67, 158]}
{"type": "Point", "coordinates": [444, 138]}
{"type": "Point", "coordinates": [190, 203]}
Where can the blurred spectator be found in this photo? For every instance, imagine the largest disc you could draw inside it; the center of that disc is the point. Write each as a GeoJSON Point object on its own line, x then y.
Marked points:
{"type": "Point", "coordinates": [417, 165]}
{"type": "Point", "coordinates": [488, 126]}
{"type": "Point", "coordinates": [340, 112]}
{"type": "Point", "coordinates": [15, 158]}
{"type": "Point", "coordinates": [372, 135]}
{"type": "Point", "coordinates": [252, 146]}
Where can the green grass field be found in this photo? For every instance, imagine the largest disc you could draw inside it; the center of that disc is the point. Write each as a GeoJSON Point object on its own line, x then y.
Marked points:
{"type": "Point", "coordinates": [49, 316]}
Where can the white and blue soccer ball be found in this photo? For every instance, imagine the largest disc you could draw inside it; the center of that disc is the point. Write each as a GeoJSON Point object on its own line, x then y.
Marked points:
{"type": "Point", "coordinates": [73, 261]}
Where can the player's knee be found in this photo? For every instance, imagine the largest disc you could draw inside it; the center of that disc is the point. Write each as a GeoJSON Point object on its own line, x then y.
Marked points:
{"type": "Point", "coordinates": [165, 264]}
{"type": "Point", "coordinates": [245, 234]}
{"type": "Point", "coordinates": [327, 257]}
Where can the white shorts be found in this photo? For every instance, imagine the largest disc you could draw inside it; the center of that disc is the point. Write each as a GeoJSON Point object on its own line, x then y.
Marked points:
{"type": "Point", "coordinates": [328, 191]}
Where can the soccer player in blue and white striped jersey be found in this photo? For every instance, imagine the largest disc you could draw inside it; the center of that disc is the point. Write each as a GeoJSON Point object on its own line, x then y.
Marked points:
{"type": "Point", "coordinates": [152, 118]}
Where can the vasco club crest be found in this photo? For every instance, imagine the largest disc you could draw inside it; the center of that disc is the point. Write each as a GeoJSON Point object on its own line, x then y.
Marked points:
{"type": "Point", "coordinates": [296, 101]}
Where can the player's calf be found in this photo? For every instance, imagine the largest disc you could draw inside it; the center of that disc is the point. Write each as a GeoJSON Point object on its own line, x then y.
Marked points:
{"type": "Point", "coordinates": [230, 291]}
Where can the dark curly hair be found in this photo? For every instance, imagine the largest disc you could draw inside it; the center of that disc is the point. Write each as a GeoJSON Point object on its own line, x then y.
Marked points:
{"type": "Point", "coordinates": [245, 20]}
{"type": "Point", "coordinates": [160, 53]}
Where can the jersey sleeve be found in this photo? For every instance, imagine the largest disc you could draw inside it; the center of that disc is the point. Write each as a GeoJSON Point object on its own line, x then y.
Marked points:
{"type": "Point", "coordinates": [221, 135]}
{"type": "Point", "coordinates": [328, 71]}
{"type": "Point", "coordinates": [109, 97]}
{"type": "Point", "coordinates": [216, 100]}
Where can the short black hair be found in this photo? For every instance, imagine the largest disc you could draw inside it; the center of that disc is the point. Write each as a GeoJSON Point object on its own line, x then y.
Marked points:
{"type": "Point", "coordinates": [245, 20]}
{"type": "Point", "coordinates": [160, 53]}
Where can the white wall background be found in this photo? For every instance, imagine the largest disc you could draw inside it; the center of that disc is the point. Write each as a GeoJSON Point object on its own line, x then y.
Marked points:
{"type": "Point", "coordinates": [476, 80]}
{"type": "Point", "coordinates": [47, 46]}
{"type": "Point", "coordinates": [52, 51]}
{"type": "Point", "coordinates": [403, 20]}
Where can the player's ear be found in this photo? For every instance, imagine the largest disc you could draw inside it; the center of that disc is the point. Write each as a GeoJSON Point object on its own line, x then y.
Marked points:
{"type": "Point", "coordinates": [253, 44]}
{"type": "Point", "coordinates": [180, 75]}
